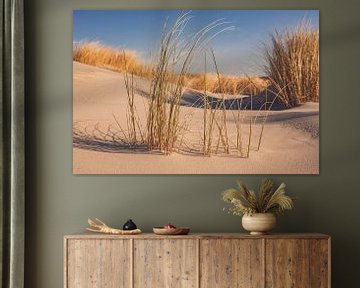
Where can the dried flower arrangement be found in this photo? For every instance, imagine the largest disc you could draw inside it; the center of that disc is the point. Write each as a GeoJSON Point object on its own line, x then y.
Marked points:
{"type": "Point", "coordinates": [268, 200]}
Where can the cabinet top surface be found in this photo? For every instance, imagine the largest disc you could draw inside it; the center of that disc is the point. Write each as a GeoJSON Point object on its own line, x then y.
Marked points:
{"type": "Point", "coordinates": [87, 235]}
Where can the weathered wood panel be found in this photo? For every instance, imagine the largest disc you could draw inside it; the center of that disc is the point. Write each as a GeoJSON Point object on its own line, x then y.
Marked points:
{"type": "Point", "coordinates": [88, 235]}
{"type": "Point", "coordinates": [231, 263]}
{"type": "Point", "coordinates": [197, 260]}
{"type": "Point", "coordinates": [287, 263]}
{"type": "Point", "coordinates": [98, 264]}
{"type": "Point", "coordinates": [319, 263]}
{"type": "Point", "coordinates": [166, 263]}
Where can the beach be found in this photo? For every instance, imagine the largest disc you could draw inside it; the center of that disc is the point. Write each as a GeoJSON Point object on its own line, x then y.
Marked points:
{"type": "Point", "coordinates": [289, 141]}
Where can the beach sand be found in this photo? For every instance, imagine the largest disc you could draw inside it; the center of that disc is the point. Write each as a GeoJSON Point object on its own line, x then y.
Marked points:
{"type": "Point", "coordinates": [289, 145]}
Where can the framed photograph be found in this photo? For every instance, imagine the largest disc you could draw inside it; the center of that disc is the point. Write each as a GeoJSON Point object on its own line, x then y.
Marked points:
{"type": "Point", "coordinates": [196, 92]}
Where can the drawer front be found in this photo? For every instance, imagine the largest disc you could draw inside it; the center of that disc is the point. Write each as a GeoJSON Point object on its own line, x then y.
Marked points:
{"type": "Point", "coordinates": [231, 263]}
{"type": "Point", "coordinates": [98, 263]}
{"type": "Point", "coordinates": [167, 263]}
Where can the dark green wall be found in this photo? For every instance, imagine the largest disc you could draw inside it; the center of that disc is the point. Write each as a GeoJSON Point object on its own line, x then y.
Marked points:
{"type": "Point", "coordinates": [59, 202]}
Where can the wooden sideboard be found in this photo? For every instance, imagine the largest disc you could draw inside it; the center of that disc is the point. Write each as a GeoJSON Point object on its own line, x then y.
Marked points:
{"type": "Point", "coordinates": [197, 260]}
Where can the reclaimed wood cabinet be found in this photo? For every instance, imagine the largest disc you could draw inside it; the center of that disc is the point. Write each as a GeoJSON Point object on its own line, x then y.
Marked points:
{"type": "Point", "coordinates": [197, 260]}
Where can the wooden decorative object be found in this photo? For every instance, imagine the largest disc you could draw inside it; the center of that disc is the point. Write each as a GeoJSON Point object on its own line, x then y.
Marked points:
{"type": "Point", "coordinates": [101, 227]}
{"type": "Point", "coordinates": [197, 261]}
{"type": "Point", "coordinates": [171, 231]}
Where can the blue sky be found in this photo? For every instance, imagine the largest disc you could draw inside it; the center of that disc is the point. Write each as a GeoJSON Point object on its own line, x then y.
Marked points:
{"type": "Point", "coordinates": [237, 51]}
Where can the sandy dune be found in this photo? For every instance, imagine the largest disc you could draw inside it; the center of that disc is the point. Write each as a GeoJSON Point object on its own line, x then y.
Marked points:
{"type": "Point", "coordinates": [290, 143]}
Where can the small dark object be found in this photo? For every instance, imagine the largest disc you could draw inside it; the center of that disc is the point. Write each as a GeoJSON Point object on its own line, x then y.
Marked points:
{"type": "Point", "coordinates": [129, 225]}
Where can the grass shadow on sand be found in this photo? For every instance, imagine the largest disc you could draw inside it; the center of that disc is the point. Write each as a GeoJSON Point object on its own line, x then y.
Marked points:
{"type": "Point", "coordinates": [93, 138]}
{"type": "Point", "coordinates": [89, 142]}
{"type": "Point", "coordinates": [196, 99]}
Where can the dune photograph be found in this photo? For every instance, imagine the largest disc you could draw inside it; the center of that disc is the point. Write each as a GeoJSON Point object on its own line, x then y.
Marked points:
{"type": "Point", "coordinates": [196, 92]}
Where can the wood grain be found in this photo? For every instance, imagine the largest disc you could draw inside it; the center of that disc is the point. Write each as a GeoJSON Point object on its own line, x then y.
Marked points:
{"type": "Point", "coordinates": [287, 263]}
{"type": "Point", "coordinates": [197, 260]}
{"type": "Point", "coordinates": [88, 235]}
{"type": "Point", "coordinates": [98, 263]}
{"type": "Point", "coordinates": [231, 263]}
{"type": "Point", "coordinates": [319, 263]}
{"type": "Point", "coordinates": [165, 263]}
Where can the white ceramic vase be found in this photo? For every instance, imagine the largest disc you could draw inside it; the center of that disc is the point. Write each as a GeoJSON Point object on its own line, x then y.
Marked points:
{"type": "Point", "coordinates": [259, 223]}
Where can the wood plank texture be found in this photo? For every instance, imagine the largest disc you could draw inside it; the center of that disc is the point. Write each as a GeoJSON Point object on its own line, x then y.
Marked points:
{"type": "Point", "coordinates": [165, 263]}
{"type": "Point", "coordinates": [197, 261]}
{"type": "Point", "coordinates": [98, 264]}
{"type": "Point", "coordinates": [89, 235]}
{"type": "Point", "coordinates": [231, 263]}
{"type": "Point", "coordinates": [287, 263]}
{"type": "Point", "coordinates": [319, 263]}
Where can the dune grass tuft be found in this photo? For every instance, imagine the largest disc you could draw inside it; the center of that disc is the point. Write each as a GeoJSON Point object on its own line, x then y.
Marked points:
{"type": "Point", "coordinates": [96, 54]}
{"type": "Point", "coordinates": [228, 84]}
{"type": "Point", "coordinates": [292, 64]}
{"type": "Point", "coordinates": [168, 81]}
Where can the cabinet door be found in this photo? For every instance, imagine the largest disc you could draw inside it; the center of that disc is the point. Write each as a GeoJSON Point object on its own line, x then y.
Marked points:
{"type": "Point", "coordinates": [287, 263]}
{"type": "Point", "coordinates": [165, 263]}
{"type": "Point", "coordinates": [231, 263]}
{"type": "Point", "coordinates": [98, 263]}
{"type": "Point", "coordinates": [320, 263]}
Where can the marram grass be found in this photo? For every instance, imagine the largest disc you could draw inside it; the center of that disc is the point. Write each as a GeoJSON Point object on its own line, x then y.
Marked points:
{"type": "Point", "coordinates": [292, 64]}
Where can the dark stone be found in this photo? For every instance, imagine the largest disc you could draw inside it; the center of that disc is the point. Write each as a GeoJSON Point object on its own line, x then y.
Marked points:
{"type": "Point", "coordinates": [129, 225]}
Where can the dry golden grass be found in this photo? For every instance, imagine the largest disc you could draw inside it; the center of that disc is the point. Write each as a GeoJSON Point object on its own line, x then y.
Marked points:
{"type": "Point", "coordinates": [228, 84]}
{"type": "Point", "coordinates": [134, 132]}
{"type": "Point", "coordinates": [168, 81]}
{"type": "Point", "coordinates": [215, 137]}
{"type": "Point", "coordinates": [292, 63]}
{"type": "Point", "coordinates": [95, 54]}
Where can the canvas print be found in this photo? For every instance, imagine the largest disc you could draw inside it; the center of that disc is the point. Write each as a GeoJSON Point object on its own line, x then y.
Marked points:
{"type": "Point", "coordinates": [196, 92]}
